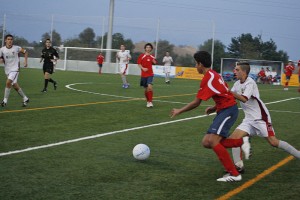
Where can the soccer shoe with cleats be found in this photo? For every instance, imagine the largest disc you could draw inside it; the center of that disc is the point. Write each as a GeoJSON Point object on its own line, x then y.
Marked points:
{"type": "Point", "coordinates": [3, 104]}
{"type": "Point", "coordinates": [44, 90]}
{"type": "Point", "coordinates": [149, 105]}
{"type": "Point", "coordinates": [241, 170]}
{"type": "Point", "coordinates": [246, 148]}
{"type": "Point", "coordinates": [55, 85]}
{"type": "Point", "coordinates": [230, 178]}
{"type": "Point", "coordinates": [25, 103]}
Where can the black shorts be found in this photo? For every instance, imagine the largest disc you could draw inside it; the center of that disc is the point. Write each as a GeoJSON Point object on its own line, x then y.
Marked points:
{"type": "Point", "coordinates": [48, 67]}
{"type": "Point", "coordinates": [100, 65]}
{"type": "Point", "coordinates": [145, 81]}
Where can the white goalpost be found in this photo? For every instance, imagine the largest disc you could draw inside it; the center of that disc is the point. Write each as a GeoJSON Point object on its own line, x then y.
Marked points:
{"type": "Point", "coordinates": [84, 59]}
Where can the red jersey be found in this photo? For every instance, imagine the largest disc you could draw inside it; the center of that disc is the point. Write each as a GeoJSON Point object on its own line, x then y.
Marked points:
{"type": "Point", "coordinates": [289, 70]}
{"type": "Point", "coordinates": [146, 61]}
{"type": "Point", "coordinates": [262, 73]}
{"type": "Point", "coordinates": [100, 59]}
{"type": "Point", "coordinates": [213, 86]}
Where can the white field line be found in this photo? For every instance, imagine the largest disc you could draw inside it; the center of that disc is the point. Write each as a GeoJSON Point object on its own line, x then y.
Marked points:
{"type": "Point", "coordinates": [111, 133]}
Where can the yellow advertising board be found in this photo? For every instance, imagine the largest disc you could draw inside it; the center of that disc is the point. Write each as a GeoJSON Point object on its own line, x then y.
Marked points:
{"type": "Point", "coordinates": [188, 73]}
{"type": "Point", "coordinates": [294, 81]}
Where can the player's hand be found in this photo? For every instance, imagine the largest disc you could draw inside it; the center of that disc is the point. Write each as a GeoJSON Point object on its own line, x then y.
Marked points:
{"type": "Point", "coordinates": [145, 69]}
{"type": "Point", "coordinates": [210, 110]}
{"type": "Point", "coordinates": [174, 112]}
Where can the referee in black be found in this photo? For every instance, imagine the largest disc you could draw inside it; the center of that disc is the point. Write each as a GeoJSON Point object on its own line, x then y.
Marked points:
{"type": "Point", "coordinates": [50, 56]}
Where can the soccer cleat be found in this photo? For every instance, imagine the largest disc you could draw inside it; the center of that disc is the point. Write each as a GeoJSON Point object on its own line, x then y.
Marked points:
{"type": "Point", "coordinates": [285, 89]}
{"type": "Point", "coordinates": [241, 170]}
{"type": "Point", "coordinates": [44, 90]}
{"type": "Point", "coordinates": [230, 178]}
{"type": "Point", "coordinates": [149, 105]}
{"type": "Point", "coordinates": [55, 85]}
{"type": "Point", "coordinates": [3, 104]}
{"type": "Point", "coordinates": [25, 103]}
{"type": "Point", "coordinates": [247, 150]}
{"type": "Point", "coordinates": [123, 86]}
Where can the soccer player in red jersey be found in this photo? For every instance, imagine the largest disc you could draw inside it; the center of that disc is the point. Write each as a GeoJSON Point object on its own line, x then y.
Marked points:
{"type": "Point", "coordinates": [261, 76]}
{"type": "Point", "coordinates": [288, 69]}
{"type": "Point", "coordinates": [145, 62]}
{"type": "Point", "coordinates": [213, 86]}
{"type": "Point", "coordinates": [100, 59]}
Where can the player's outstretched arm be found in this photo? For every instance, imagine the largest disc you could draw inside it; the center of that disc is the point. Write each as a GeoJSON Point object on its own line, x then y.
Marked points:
{"type": "Point", "coordinates": [188, 107]}
{"type": "Point", "coordinates": [239, 97]}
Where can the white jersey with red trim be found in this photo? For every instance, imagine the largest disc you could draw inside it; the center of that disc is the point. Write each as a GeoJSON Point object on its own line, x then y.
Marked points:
{"type": "Point", "coordinates": [253, 108]}
{"type": "Point", "coordinates": [11, 58]}
{"type": "Point", "coordinates": [123, 57]}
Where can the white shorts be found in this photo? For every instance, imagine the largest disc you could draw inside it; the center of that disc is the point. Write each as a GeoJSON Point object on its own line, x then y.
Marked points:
{"type": "Point", "coordinates": [257, 127]}
{"type": "Point", "coordinates": [123, 69]}
{"type": "Point", "coordinates": [167, 69]}
{"type": "Point", "coordinates": [13, 76]}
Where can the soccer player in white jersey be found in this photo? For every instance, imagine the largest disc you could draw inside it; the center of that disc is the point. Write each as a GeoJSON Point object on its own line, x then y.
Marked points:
{"type": "Point", "coordinates": [123, 58]}
{"type": "Point", "coordinates": [257, 119]}
{"type": "Point", "coordinates": [167, 60]}
{"type": "Point", "coordinates": [9, 54]}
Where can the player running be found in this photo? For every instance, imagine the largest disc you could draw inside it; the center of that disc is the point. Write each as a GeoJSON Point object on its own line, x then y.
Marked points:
{"type": "Point", "coordinates": [123, 57]}
{"type": "Point", "coordinates": [9, 54]}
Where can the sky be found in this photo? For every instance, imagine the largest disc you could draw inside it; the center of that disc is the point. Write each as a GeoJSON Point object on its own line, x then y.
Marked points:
{"type": "Point", "coordinates": [188, 22]}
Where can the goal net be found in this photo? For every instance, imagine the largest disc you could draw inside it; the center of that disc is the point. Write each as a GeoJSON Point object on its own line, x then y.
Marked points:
{"type": "Point", "coordinates": [85, 59]}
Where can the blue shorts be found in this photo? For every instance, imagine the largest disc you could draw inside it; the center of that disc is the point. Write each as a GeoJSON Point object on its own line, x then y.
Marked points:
{"type": "Point", "coordinates": [224, 121]}
{"type": "Point", "coordinates": [145, 81]}
{"type": "Point", "coordinates": [288, 78]}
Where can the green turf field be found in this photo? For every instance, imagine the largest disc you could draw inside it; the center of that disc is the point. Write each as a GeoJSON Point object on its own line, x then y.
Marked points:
{"type": "Point", "coordinates": [102, 167]}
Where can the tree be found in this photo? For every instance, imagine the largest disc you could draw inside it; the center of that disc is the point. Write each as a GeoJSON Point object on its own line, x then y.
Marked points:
{"type": "Point", "coordinates": [248, 47]}
{"type": "Point", "coordinates": [56, 38]}
{"type": "Point", "coordinates": [87, 37]}
{"type": "Point", "coordinates": [219, 52]}
{"type": "Point", "coordinates": [186, 61]}
{"type": "Point", "coordinates": [162, 47]}
{"type": "Point", "coordinates": [117, 40]}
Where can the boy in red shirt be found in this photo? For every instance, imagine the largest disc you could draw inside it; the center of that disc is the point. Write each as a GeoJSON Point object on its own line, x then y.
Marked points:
{"type": "Point", "coordinates": [288, 70]}
{"type": "Point", "coordinates": [213, 86]}
{"type": "Point", "coordinates": [145, 62]}
{"type": "Point", "coordinates": [100, 59]}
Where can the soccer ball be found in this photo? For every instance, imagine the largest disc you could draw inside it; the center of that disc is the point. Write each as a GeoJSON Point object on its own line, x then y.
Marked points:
{"type": "Point", "coordinates": [141, 152]}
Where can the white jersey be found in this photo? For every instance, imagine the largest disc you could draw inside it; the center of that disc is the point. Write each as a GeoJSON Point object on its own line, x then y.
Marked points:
{"type": "Point", "coordinates": [254, 108]}
{"type": "Point", "coordinates": [123, 57]}
{"type": "Point", "coordinates": [11, 58]}
{"type": "Point", "coordinates": [167, 60]}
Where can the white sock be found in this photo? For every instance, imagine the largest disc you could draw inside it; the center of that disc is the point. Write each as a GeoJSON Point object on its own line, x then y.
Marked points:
{"type": "Point", "coordinates": [236, 155]}
{"type": "Point", "coordinates": [21, 93]}
{"type": "Point", "coordinates": [6, 94]}
{"type": "Point", "coordinates": [289, 148]}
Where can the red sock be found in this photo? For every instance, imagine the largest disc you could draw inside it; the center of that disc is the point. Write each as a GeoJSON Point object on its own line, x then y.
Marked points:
{"type": "Point", "coordinates": [150, 95]}
{"type": "Point", "coordinates": [286, 84]}
{"type": "Point", "coordinates": [146, 95]}
{"type": "Point", "coordinates": [225, 159]}
{"type": "Point", "coordinates": [229, 143]}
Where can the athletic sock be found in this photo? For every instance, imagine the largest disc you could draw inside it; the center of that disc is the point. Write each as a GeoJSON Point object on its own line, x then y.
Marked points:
{"type": "Point", "coordinates": [21, 93]}
{"type": "Point", "coordinates": [51, 80]}
{"type": "Point", "coordinates": [229, 143]}
{"type": "Point", "coordinates": [289, 148]}
{"type": "Point", "coordinates": [6, 94]}
{"type": "Point", "coordinates": [225, 159]}
{"type": "Point", "coordinates": [150, 95]}
{"type": "Point", "coordinates": [46, 83]}
{"type": "Point", "coordinates": [124, 80]}
{"type": "Point", "coordinates": [237, 155]}
{"type": "Point", "coordinates": [146, 95]}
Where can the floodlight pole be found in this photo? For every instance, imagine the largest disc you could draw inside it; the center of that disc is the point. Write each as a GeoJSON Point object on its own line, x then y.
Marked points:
{"type": "Point", "coordinates": [3, 29]}
{"type": "Point", "coordinates": [102, 38]}
{"type": "Point", "coordinates": [110, 29]}
{"type": "Point", "coordinates": [51, 31]}
{"type": "Point", "coordinates": [213, 44]}
{"type": "Point", "coordinates": [157, 37]}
